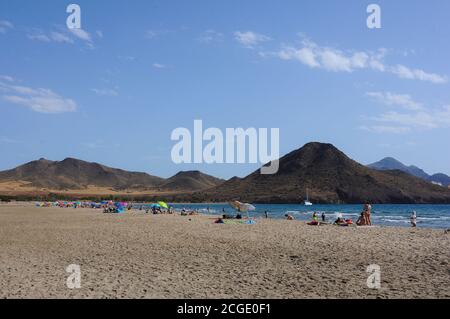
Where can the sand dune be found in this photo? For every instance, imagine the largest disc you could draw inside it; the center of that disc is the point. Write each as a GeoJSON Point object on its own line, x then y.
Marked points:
{"type": "Point", "coordinates": [145, 256]}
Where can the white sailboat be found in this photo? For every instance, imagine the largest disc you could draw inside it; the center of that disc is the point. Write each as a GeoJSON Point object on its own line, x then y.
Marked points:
{"type": "Point", "coordinates": [307, 202]}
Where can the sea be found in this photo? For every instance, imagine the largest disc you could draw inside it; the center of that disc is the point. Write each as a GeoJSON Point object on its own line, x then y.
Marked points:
{"type": "Point", "coordinates": [429, 216]}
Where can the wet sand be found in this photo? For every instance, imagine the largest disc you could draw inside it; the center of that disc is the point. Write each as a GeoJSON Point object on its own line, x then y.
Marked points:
{"type": "Point", "coordinates": [134, 255]}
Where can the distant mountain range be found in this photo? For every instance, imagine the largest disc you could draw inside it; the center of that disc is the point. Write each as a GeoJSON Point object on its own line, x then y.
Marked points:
{"type": "Point", "coordinates": [325, 172]}
{"type": "Point", "coordinates": [74, 174]}
{"type": "Point", "coordinates": [390, 163]}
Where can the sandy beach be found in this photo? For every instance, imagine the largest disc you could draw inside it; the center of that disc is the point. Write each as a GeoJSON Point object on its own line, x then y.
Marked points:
{"type": "Point", "coordinates": [134, 255]}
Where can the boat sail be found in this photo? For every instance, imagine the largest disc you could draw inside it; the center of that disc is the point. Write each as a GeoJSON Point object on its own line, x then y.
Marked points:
{"type": "Point", "coordinates": [307, 202]}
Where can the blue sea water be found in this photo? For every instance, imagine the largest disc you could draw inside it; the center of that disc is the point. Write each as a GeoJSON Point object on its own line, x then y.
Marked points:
{"type": "Point", "coordinates": [430, 216]}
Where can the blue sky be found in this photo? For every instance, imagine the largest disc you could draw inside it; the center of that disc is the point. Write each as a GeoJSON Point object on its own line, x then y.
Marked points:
{"type": "Point", "coordinates": [114, 91]}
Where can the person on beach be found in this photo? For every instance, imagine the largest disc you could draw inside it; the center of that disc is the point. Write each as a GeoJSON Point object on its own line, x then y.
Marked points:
{"type": "Point", "coordinates": [413, 219]}
{"type": "Point", "coordinates": [367, 212]}
{"type": "Point", "coordinates": [360, 221]}
{"type": "Point", "coordinates": [315, 217]}
{"type": "Point", "coordinates": [339, 221]}
{"type": "Point", "coordinates": [289, 217]}
{"type": "Point", "coordinates": [266, 214]}
{"type": "Point", "coordinates": [324, 218]}
{"type": "Point", "coordinates": [315, 220]}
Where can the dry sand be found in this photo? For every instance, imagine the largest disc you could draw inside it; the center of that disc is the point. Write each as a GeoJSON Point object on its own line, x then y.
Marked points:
{"type": "Point", "coordinates": [134, 255]}
{"type": "Point", "coordinates": [24, 188]}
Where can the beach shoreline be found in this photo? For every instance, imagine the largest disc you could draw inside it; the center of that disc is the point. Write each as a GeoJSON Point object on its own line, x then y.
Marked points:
{"type": "Point", "coordinates": [138, 255]}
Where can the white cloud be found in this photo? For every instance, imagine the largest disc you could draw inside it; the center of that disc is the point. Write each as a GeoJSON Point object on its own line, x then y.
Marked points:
{"type": "Point", "coordinates": [62, 36]}
{"type": "Point", "coordinates": [105, 92]}
{"type": "Point", "coordinates": [153, 34]}
{"type": "Point", "coordinates": [6, 78]}
{"type": "Point", "coordinates": [81, 34]}
{"type": "Point", "coordinates": [5, 26]}
{"type": "Point", "coordinates": [336, 61]}
{"type": "Point", "coordinates": [211, 36]}
{"type": "Point", "coordinates": [158, 65]}
{"type": "Point", "coordinates": [39, 37]}
{"type": "Point", "coordinates": [331, 59]}
{"type": "Point", "coordinates": [39, 100]}
{"type": "Point", "coordinates": [403, 100]}
{"type": "Point", "coordinates": [386, 129]}
{"type": "Point", "coordinates": [422, 119]}
{"type": "Point", "coordinates": [417, 74]}
{"type": "Point", "coordinates": [250, 39]}
{"type": "Point", "coordinates": [99, 33]}
{"type": "Point", "coordinates": [304, 55]}
{"type": "Point", "coordinates": [415, 116]}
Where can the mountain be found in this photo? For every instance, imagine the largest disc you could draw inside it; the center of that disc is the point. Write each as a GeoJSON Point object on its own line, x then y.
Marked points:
{"type": "Point", "coordinates": [390, 163]}
{"type": "Point", "coordinates": [190, 181]}
{"type": "Point", "coordinates": [76, 174]}
{"type": "Point", "coordinates": [440, 178]}
{"type": "Point", "coordinates": [325, 172]}
{"type": "Point", "coordinates": [330, 177]}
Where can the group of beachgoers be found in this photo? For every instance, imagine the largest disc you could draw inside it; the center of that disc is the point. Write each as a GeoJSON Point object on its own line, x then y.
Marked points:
{"type": "Point", "coordinates": [363, 220]}
{"type": "Point", "coordinates": [157, 210]}
{"type": "Point", "coordinates": [111, 207]}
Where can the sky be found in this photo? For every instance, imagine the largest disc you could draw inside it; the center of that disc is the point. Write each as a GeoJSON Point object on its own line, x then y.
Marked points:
{"type": "Point", "coordinates": [113, 91]}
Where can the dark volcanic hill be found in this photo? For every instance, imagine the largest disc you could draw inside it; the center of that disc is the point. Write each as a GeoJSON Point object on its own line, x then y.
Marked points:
{"type": "Point", "coordinates": [76, 174]}
{"type": "Point", "coordinates": [190, 181]}
{"type": "Point", "coordinates": [331, 177]}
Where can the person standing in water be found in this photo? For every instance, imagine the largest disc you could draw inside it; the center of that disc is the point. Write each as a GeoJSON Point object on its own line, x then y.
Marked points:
{"type": "Point", "coordinates": [323, 217]}
{"type": "Point", "coordinates": [413, 219]}
{"type": "Point", "coordinates": [266, 214]}
{"type": "Point", "coordinates": [367, 211]}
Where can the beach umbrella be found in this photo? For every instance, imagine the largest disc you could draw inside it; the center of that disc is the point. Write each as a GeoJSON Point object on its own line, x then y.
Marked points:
{"type": "Point", "coordinates": [247, 207]}
{"type": "Point", "coordinates": [242, 207]}
{"type": "Point", "coordinates": [163, 205]}
{"type": "Point", "coordinates": [235, 205]}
